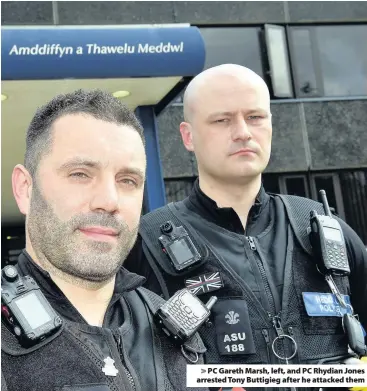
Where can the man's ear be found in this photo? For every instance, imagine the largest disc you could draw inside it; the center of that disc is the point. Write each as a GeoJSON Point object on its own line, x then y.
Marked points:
{"type": "Point", "coordinates": [22, 187]}
{"type": "Point", "coordinates": [186, 134]}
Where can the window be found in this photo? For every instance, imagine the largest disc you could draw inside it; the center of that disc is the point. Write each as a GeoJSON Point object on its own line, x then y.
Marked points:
{"type": "Point", "coordinates": [178, 189]}
{"type": "Point", "coordinates": [233, 45]}
{"type": "Point", "coordinates": [354, 191]}
{"type": "Point", "coordinates": [294, 185]}
{"type": "Point", "coordinates": [329, 60]}
{"type": "Point", "coordinates": [331, 184]}
{"type": "Point", "coordinates": [271, 183]}
{"type": "Point", "coordinates": [277, 49]}
{"type": "Point", "coordinates": [305, 69]}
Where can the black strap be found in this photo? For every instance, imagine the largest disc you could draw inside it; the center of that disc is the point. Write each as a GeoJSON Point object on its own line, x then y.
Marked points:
{"type": "Point", "coordinates": [152, 300]}
{"type": "Point", "coordinates": [298, 210]}
{"type": "Point", "coordinates": [150, 232]}
{"type": "Point", "coordinates": [156, 271]}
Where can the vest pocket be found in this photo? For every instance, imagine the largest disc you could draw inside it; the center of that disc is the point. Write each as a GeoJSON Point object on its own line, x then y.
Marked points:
{"type": "Point", "coordinates": [313, 348]}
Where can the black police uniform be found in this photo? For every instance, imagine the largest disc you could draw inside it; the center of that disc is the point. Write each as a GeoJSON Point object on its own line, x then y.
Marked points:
{"type": "Point", "coordinates": [75, 359]}
{"type": "Point", "coordinates": [265, 272]}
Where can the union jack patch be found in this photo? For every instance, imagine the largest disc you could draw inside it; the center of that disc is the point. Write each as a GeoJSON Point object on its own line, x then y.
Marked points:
{"type": "Point", "coordinates": [204, 283]}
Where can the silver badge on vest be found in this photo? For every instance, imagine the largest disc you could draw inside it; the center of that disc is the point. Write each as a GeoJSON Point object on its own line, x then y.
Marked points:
{"type": "Point", "coordinates": [109, 368]}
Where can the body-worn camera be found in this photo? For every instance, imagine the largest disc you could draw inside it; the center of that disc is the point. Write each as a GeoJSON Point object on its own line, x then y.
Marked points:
{"type": "Point", "coordinates": [328, 242]}
{"type": "Point", "coordinates": [182, 315]}
{"type": "Point", "coordinates": [25, 309]}
{"type": "Point", "coordinates": [177, 244]}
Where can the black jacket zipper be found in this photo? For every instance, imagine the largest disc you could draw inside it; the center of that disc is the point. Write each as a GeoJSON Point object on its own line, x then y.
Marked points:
{"type": "Point", "coordinates": [277, 325]}
{"type": "Point", "coordinates": [280, 332]}
{"type": "Point", "coordinates": [273, 316]}
{"type": "Point", "coordinates": [121, 353]}
{"type": "Point", "coordinates": [260, 265]}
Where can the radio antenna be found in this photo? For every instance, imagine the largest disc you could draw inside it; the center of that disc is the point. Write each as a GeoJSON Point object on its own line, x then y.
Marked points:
{"type": "Point", "coordinates": [325, 204]}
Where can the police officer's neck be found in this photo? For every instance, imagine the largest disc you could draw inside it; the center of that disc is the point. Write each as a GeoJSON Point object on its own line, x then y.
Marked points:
{"type": "Point", "coordinates": [238, 195]}
{"type": "Point", "coordinates": [89, 298]}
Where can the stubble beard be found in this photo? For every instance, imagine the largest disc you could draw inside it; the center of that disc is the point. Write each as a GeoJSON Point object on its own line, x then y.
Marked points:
{"type": "Point", "coordinates": [60, 246]}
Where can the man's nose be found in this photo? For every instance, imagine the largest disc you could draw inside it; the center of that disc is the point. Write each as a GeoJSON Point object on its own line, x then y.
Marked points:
{"type": "Point", "coordinates": [241, 131]}
{"type": "Point", "coordinates": [105, 196]}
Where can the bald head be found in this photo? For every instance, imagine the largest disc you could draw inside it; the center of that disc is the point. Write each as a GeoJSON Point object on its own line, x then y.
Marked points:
{"type": "Point", "coordinates": [227, 110]}
{"type": "Point", "coordinates": [218, 80]}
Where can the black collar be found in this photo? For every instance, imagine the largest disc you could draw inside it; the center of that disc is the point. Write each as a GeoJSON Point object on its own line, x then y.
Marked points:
{"type": "Point", "coordinates": [227, 218]}
{"type": "Point", "coordinates": [125, 282]}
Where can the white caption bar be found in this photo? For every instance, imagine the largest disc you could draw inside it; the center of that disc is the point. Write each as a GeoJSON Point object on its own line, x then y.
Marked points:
{"type": "Point", "coordinates": [276, 375]}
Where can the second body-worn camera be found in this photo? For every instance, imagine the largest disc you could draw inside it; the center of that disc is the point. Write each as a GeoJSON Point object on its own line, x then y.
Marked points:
{"type": "Point", "coordinates": [178, 246]}
{"type": "Point", "coordinates": [24, 308]}
{"type": "Point", "coordinates": [182, 315]}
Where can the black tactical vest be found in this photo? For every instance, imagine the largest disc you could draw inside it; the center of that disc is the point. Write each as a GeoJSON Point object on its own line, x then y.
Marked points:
{"type": "Point", "coordinates": [70, 361]}
{"type": "Point", "coordinates": [241, 331]}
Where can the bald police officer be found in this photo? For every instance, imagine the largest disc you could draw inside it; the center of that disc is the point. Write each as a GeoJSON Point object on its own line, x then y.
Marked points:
{"type": "Point", "coordinates": [252, 247]}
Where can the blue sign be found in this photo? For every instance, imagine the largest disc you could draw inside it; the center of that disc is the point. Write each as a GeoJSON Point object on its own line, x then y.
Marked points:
{"type": "Point", "coordinates": [93, 53]}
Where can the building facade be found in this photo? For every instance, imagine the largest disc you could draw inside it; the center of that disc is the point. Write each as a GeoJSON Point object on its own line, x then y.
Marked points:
{"type": "Point", "coordinates": [313, 56]}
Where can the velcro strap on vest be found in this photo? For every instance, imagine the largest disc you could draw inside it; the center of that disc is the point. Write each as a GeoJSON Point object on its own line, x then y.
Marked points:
{"type": "Point", "coordinates": [152, 300]}
{"type": "Point", "coordinates": [298, 210]}
{"type": "Point", "coordinates": [150, 232]}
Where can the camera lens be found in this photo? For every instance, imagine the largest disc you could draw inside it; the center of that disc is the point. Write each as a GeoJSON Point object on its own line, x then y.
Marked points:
{"type": "Point", "coordinates": [10, 273]}
{"type": "Point", "coordinates": [167, 227]}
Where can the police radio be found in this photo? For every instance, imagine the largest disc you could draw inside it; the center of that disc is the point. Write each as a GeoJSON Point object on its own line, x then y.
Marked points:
{"type": "Point", "coordinates": [182, 315]}
{"type": "Point", "coordinates": [24, 308]}
{"type": "Point", "coordinates": [177, 244]}
{"type": "Point", "coordinates": [327, 241]}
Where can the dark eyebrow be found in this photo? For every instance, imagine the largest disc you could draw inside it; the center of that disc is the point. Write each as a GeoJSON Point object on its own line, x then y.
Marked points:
{"type": "Point", "coordinates": [77, 162]}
